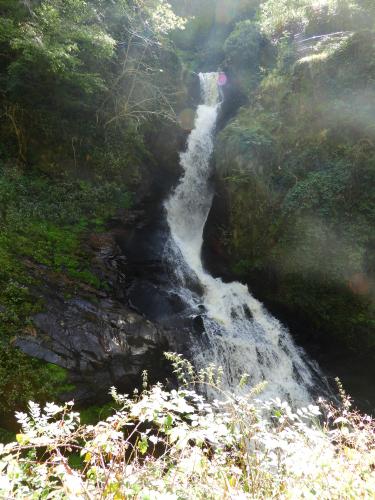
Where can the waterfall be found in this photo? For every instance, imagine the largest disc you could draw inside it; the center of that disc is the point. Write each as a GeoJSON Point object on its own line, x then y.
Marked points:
{"type": "Point", "coordinates": [240, 335]}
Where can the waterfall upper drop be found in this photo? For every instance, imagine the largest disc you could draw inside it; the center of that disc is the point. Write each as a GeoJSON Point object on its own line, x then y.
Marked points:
{"type": "Point", "coordinates": [240, 335]}
{"type": "Point", "coordinates": [189, 207]}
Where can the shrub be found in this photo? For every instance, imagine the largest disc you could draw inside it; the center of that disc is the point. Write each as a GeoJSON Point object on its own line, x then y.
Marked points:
{"type": "Point", "coordinates": [289, 17]}
{"type": "Point", "coordinates": [178, 444]}
{"type": "Point", "coordinates": [243, 45]}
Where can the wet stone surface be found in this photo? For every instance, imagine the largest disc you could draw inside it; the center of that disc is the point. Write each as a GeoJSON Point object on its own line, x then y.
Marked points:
{"type": "Point", "coordinates": [94, 333]}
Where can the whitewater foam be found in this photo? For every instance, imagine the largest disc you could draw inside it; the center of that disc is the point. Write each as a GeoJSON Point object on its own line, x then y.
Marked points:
{"type": "Point", "coordinates": [240, 335]}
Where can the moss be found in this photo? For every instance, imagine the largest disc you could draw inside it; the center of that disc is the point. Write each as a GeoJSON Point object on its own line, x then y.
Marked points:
{"type": "Point", "coordinates": [298, 163]}
{"type": "Point", "coordinates": [43, 225]}
{"type": "Point", "coordinates": [24, 378]}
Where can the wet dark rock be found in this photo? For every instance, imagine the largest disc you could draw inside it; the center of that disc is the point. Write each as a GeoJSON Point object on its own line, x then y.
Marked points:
{"type": "Point", "coordinates": [158, 303]}
{"type": "Point", "coordinates": [247, 312]}
{"type": "Point", "coordinates": [198, 325]}
{"type": "Point", "coordinates": [233, 98]}
{"type": "Point", "coordinates": [94, 333]}
{"type": "Point", "coordinates": [214, 255]}
{"type": "Point", "coordinates": [102, 344]}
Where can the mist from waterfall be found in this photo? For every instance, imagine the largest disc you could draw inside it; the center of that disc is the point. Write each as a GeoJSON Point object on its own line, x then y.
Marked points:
{"type": "Point", "coordinates": [240, 335]}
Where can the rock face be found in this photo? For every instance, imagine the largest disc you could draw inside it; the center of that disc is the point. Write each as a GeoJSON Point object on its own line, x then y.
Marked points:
{"type": "Point", "coordinates": [105, 337]}
{"type": "Point", "coordinates": [95, 334]}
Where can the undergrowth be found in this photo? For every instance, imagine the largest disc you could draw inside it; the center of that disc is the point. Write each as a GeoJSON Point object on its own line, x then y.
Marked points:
{"type": "Point", "coordinates": [177, 444]}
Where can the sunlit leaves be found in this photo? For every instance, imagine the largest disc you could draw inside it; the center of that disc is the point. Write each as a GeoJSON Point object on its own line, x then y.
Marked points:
{"type": "Point", "coordinates": [164, 19]}
{"type": "Point", "coordinates": [283, 17]}
{"type": "Point", "coordinates": [61, 35]}
{"type": "Point", "coordinates": [176, 444]}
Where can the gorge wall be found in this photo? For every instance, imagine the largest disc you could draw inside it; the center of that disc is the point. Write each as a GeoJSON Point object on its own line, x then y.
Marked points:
{"type": "Point", "coordinates": [292, 216]}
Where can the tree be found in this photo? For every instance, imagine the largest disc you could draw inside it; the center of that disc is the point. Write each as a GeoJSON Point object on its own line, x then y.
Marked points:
{"type": "Point", "coordinates": [289, 17]}
{"type": "Point", "coordinates": [75, 65]}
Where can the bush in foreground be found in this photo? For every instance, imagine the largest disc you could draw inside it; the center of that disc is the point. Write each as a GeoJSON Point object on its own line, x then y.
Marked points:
{"type": "Point", "coordinates": [177, 444]}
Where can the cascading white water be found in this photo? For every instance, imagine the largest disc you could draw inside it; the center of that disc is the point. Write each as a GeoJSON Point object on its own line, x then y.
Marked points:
{"type": "Point", "coordinates": [242, 336]}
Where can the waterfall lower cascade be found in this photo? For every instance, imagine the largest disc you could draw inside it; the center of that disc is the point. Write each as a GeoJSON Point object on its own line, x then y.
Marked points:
{"type": "Point", "coordinates": [240, 335]}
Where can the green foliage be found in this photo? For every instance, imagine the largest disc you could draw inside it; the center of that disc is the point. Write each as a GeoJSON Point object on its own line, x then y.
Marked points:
{"type": "Point", "coordinates": [55, 40]}
{"type": "Point", "coordinates": [43, 223]}
{"type": "Point", "coordinates": [247, 51]}
{"type": "Point", "coordinates": [202, 44]}
{"type": "Point", "coordinates": [178, 444]}
{"type": "Point", "coordinates": [24, 378]}
{"type": "Point", "coordinates": [243, 45]}
{"type": "Point", "coordinates": [298, 163]}
{"type": "Point", "coordinates": [244, 138]}
{"type": "Point", "coordinates": [281, 18]}
{"type": "Point", "coordinates": [74, 73]}
{"type": "Point", "coordinates": [94, 414]}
